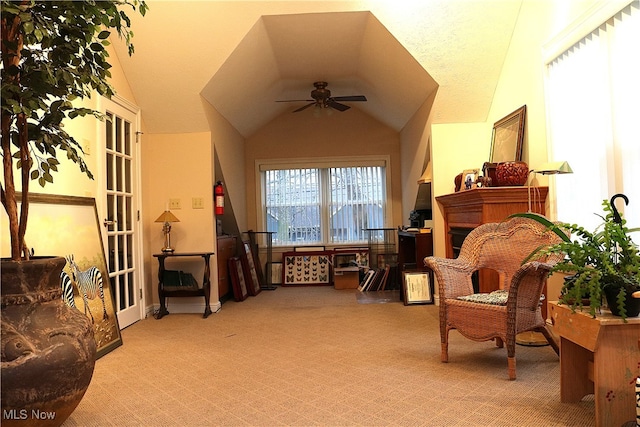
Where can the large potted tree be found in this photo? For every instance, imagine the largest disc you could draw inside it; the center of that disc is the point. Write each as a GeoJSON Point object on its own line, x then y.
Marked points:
{"type": "Point", "coordinates": [53, 54]}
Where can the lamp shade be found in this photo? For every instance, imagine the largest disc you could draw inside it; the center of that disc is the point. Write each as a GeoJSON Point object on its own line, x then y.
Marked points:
{"type": "Point", "coordinates": [167, 216]}
{"type": "Point", "coordinates": [426, 175]}
{"type": "Point", "coordinates": [553, 168]}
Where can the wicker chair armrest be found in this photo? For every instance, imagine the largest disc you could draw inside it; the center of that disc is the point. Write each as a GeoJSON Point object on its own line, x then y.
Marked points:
{"type": "Point", "coordinates": [453, 276]}
{"type": "Point", "coordinates": [527, 284]}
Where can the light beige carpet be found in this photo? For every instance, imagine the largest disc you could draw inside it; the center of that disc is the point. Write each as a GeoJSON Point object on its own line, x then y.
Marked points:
{"type": "Point", "coordinates": [314, 356]}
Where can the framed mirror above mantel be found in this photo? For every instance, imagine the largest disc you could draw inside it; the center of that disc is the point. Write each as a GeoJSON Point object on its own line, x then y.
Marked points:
{"type": "Point", "coordinates": [507, 141]}
{"type": "Point", "coordinates": [508, 137]}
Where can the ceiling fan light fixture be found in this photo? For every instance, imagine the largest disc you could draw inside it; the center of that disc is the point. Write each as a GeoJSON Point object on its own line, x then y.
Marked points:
{"type": "Point", "coordinates": [321, 98]}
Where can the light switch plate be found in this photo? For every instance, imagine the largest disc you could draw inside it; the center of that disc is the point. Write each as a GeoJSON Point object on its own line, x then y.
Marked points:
{"type": "Point", "coordinates": [174, 204]}
{"type": "Point", "coordinates": [197, 203]}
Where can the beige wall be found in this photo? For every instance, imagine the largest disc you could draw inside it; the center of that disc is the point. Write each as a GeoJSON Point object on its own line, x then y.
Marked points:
{"type": "Point", "coordinates": [461, 146]}
{"type": "Point", "coordinates": [330, 134]}
{"type": "Point", "coordinates": [415, 149]}
{"type": "Point", "coordinates": [230, 148]}
{"type": "Point", "coordinates": [456, 147]}
{"type": "Point", "coordinates": [177, 166]}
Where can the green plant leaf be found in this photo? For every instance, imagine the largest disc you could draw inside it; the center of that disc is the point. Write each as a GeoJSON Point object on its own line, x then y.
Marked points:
{"type": "Point", "coordinates": [544, 221]}
{"type": "Point", "coordinates": [62, 57]}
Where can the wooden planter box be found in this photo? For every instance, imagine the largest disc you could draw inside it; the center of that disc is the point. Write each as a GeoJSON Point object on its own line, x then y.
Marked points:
{"type": "Point", "coordinates": [599, 356]}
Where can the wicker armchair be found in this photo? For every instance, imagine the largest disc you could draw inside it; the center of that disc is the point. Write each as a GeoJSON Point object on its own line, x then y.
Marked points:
{"type": "Point", "coordinates": [501, 247]}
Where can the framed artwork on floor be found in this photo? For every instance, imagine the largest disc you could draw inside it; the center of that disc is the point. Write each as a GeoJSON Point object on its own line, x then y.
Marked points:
{"type": "Point", "coordinates": [68, 226]}
{"type": "Point", "coordinates": [417, 288]}
{"type": "Point", "coordinates": [306, 268]}
{"type": "Point", "coordinates": [276, 273]}
{"type": "Point", "coordinates": [387, 259]}
{"type": "Point", "coordinates": [250, 273]}
{"type": "Point", "coordinates": [236, 270]}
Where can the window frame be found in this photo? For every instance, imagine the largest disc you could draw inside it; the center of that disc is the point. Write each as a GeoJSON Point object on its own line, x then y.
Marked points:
{"type": "Point", "coordinates": [322, 163]}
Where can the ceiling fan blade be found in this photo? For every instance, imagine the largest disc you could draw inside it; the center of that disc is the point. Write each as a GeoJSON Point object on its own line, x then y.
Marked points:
{"type": "Point", "coordinates": [296, 100]}
{"type": "Point", "coordinates": [305, 107]}
{"type": "Point", "coordinates": [350, 98]}
{"type": "Point", "coordinates": [340, 107]}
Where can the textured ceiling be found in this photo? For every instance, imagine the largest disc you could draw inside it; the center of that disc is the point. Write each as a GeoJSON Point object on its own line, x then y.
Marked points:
{"type": "Point", "coordinates": [243, 56]}
{"type": "Point", "coordinates": [352, 51]}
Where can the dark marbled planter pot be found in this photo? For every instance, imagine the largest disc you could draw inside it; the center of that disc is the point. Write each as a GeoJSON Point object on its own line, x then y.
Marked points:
{"type": "Point", "coordinates": [48, 348]}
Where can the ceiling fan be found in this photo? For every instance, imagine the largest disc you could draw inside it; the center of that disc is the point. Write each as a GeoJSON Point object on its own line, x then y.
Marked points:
{"type": "Point", "coordinates": [321, 97]}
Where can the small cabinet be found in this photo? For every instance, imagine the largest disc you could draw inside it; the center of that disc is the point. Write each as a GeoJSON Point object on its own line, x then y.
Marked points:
{"type": "Point", "coordinates": [413, 248]}
{"type": "Point", "coordinates": [226, 250]}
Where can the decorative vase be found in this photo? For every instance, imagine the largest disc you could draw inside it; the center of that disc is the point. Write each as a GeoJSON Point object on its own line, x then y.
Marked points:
{"type": "Point", "coordinates": [48, 348]}
{"type": "Point", "coordinates": [458, 182]}
{"type": "Point", "coordinates": [511, 174]}
{"type": "Point", "coordinates": [631, 305]}
{"type": "Point", "coordinates": [489, 172]}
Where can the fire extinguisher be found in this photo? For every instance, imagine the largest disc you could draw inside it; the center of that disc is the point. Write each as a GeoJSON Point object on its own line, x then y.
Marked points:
{"type": "Point", "coordinates": [218, 191]}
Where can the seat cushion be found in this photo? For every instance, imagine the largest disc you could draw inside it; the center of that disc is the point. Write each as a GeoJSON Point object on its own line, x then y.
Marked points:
{"type": "Point", "coordinates": [498, 297]}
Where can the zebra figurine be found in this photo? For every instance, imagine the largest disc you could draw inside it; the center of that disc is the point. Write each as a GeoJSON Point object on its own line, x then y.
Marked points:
{"type": "Point", "coordinates": [67, 289]}
{"type": "Point", "coordinates": [89, 283]}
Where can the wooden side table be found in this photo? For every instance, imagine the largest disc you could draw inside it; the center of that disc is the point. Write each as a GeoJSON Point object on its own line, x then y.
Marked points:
{"type": "Point", "coordinates": [205, 291]}
{"type": "Point", "coordinates": [598, 356]}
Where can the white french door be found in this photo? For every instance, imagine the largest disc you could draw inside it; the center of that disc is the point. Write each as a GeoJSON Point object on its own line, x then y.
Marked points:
{"type": "Point", "coordinates": [120, 210]}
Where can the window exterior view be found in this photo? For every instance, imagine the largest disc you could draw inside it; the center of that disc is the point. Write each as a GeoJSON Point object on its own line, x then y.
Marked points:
{"type": "Point", "coordinates": [324, 205]}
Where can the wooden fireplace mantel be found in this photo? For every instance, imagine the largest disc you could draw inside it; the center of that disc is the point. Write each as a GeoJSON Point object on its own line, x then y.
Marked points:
{"type": "Point", "coordinates": [465, 210]}
{"type": "Point", "coordinates": [471, 208]}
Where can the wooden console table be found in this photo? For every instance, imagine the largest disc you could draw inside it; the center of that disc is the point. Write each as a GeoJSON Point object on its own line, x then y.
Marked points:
{"type": "Point", "coordinates": [205, 291]}
{"type": "Point", "coordinates": [598, 356]}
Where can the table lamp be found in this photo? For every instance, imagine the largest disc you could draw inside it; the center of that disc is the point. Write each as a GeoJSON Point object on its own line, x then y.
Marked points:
{"type": "Point", "coordinates": [550, 168]}
{"type": "Point", "coordinates": [167, 217]}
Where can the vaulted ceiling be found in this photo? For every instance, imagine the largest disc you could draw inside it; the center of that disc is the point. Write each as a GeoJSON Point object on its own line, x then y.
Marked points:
{"type": "Point", "coordinates": [243, 56]}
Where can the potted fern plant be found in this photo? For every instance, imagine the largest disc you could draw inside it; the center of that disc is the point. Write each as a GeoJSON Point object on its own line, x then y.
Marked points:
{"type": "Point", "coordinates": [53, 52]}
{"type": "Point", "coordinates": [601, 264]}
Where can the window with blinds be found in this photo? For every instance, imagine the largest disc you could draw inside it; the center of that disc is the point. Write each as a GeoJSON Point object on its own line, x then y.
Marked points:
{"type": "Point", "coordinates": [593, 102]}
{"type": "Point", "coordinates": [325, 205]}
{"type": "Point", "coordinates": [293, 203]}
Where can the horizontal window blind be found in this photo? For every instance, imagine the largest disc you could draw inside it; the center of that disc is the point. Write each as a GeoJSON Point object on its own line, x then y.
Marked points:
{"type": "Point", "coordinates": [593, 96]}
{"type": "Point", "coordinates": [293, 205]}
{"type": "Point", "coordinates": [357, 201]}
{"type": "Point", "coordinates": [333, 205]}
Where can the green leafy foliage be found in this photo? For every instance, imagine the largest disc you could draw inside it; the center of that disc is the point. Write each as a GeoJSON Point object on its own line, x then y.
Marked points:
{"type": "Point", "coordinates": [606, 257]}
{"type": "Point", "coordinates": [53, 53]}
